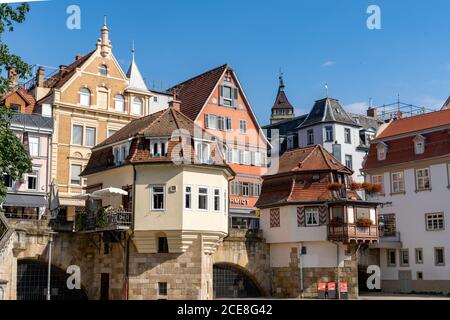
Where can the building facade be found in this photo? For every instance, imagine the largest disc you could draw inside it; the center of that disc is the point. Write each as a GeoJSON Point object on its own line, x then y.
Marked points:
{"type": "Point", "coordinates": [216, 101]}
{"type": "Point", "coordinates": [89, 100]}
{"type": "Point", "coordinates": [312, 229]}
{"type": "Point", "coordinates": [410, 157]}
{"type": "Point", "coordinates": [175, 211]}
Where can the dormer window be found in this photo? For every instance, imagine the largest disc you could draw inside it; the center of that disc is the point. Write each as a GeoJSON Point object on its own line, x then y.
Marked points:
{"type": "Point", "coordinates": [381, 151]}
{"type": "Point", "coordinates": [121, 153]}
{"type": "Point", "coordinates": [158, 148]}
{"type": "Point", "coordinates": [419, 144]}
{"type": "Point", "coordinates": [202, 152]}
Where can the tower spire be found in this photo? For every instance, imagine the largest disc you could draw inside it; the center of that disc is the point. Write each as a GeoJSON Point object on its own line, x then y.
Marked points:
{"type": "Point", "coordinates": [282, 86]}
{"type": "Point", "coordinates": [104, 42]}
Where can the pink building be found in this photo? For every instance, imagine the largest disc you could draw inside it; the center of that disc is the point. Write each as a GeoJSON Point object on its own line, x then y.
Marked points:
{"type": "Point", "coordinates": [27, 198]}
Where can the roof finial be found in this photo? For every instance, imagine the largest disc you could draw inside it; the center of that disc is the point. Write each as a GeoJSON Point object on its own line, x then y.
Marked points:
{"type": "Point", "coordinates": [326, 88]}
{"type": "Point", "coordinates": [132, 51]}
{"type": "Point", "coordinates": [104, 20]}
{"type": "Point", "coordinates": [281, 80]}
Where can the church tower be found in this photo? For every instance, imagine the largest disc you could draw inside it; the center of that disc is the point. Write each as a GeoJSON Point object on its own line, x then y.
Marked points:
{"type": "Point", "coordinates": [282, 109]}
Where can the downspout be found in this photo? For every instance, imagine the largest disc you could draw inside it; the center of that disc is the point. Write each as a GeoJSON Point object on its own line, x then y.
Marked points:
{"type": "Point", "coordinates": [127, 258]}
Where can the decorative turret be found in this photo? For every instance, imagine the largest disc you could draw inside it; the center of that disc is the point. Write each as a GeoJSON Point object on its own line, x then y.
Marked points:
{"type": "Point", "coordinates": [137, 82]}
{"type": "Point", "coordinates": [104, 43]}
{"type": "Point", "coordinates": [282, 109]}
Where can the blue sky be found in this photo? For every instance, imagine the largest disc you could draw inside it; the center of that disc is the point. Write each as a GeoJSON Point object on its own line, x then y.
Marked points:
{"type": "Point", "coordinates": [312, 41]}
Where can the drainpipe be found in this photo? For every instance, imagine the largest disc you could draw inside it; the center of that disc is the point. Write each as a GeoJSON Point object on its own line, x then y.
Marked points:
{"type": "Point", "coordinates": [337, 271]}
{"type": "Point", "coordinates": [300, 266]}
{"type": "Point", "coordinates": [127, 255]}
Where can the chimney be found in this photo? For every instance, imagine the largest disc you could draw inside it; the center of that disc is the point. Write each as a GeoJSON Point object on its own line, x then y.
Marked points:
{"type": "Point", "coordinates": [372, 112]}
{"type": "Point", "coordinates": [40, 77]}
{"type": "Point", "coordinates": [13, 77]}
{"type": "Point", "coordinates": [78, 57]}
{"type": "Point", "coordinates": [175, 104]}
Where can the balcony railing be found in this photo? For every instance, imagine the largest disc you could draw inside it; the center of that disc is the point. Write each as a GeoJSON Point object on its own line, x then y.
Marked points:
{"type": "Point", "coordinates": [386, 236]}
{"type": "Point", "coordinates": [352, 232]}
{"type": "Point", "coordinates": [104, 220]}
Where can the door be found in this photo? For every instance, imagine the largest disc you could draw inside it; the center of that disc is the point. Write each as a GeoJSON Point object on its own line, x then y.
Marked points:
{"type": "Point", "coordinates": [104, 287]}
{"type": "Point", "coordinates": [405, 279]}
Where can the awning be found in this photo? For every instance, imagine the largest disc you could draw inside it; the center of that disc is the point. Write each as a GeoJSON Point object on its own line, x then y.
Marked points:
{"type": "Point", "coordinates": [27, 201]}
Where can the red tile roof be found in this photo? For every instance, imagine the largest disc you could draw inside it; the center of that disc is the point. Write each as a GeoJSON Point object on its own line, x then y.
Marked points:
{"type": "Point", "coordinates": [401, 150]}
{"type": "Point", "coordinates": [159, 125]}
{"type": "Point", "coordinates": [194, 93]}
{"type": "Point", "coordinates": [415, 124]}
{"type": "Point", "coordinates": [295, 181]}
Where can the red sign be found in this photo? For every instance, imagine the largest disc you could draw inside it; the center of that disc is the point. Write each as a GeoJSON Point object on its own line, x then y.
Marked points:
{"type": "Point", "coordinates": [343, 287]}
{"type": "Point", "coordinates": [322, 286]}
{"type": "Point", "coordinates": [331, 286]}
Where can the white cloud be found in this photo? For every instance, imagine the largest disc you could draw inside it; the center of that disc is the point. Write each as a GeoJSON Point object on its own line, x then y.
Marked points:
{"type": "Point", "coordinates": [328, 63]}
{"type": "Point", "coordinates": [357, 107]}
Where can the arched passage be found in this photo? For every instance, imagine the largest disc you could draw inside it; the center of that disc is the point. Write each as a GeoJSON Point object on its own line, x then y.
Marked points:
{"type": "Point", "coordinates": [232, 281]}
{"type": "Point", "coordinates": [32, 282]}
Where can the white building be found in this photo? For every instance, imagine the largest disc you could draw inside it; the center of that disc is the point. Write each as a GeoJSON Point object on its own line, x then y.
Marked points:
{"type": "Point", "coordinates": [410, 158]}
{"type": "Point", "coordinates": [313, 232]}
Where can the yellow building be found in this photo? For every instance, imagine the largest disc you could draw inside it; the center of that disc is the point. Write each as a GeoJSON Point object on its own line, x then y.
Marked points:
{"type": "Point", "coordinates": [90, 100]}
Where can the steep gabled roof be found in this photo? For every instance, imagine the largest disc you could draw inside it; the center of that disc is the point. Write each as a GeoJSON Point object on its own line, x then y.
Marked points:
{"type": "Point", "coordinates": [328, 110]}
{"type": "Point", "coordinates": [312, 158]}
{"type": "Point", "coordinates": [194, 93]}
{"type": "Point", "coordinates": [415, 124]}
{"type": "Point", "coordinates": [59, 79]}
{"type": "Point", "coordinates": [162, 124]}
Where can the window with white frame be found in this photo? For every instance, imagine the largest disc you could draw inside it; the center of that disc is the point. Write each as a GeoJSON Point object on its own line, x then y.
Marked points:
{"type": "Point", "coordinates": [111, 132]}
{"type": "Point", "coordinates": [119, 103]}
{"type": "Point", "coordinates": [75, 171]}
{"type": "Point", "coordinates": [217, 201]}
{"type": "Point", "coordinates": [32, 179]}
{"type": "Point", "coordinates": [85, 97]}
{"type": "Point", "coordinates": [202, 152]}
{"type": "Point", "coordinates": [34, 144]}
{"type": "Point", "coordinates": [419, 256]}
{"type": "Point", "coordinates": [310, 136]}
{"type": "Point", "coordinates": [329, 137]}
{"type": "Point", "coordinates": [243, 126]}
{"type": "Point", "coordinates": [381, 151]}
{"type": "Point", "coordinates": [77, 135]}
{"type": "Point", "coordinates": [423, 179]}
{"type": "Point", "coordinates": [398, 182]}
{"type": "Point", "coordinates": [158, 198]}
{"type": "Point", "coordinates": [435, 221]}
{"type": "Point", "coordinates": [188, 197]}
{"type": "Point", "coordinates": [8, 181]}
{"type": "Point", "coordinates": [47, 110]}
{"type": "Point", "coordinates": [419, 144]}
{"type": "Point", "coordinates": [158, 148]}
{"type": "Point", "coordinates": [228, 96]}
{"type": "Point", "coordinates": [228, 125]}
{"type": "Point", "coordinates": [348, 135]}
{"type": "Point", "coordinates": [247, 157]}
{"type": "Point", "coordinates": [378, 180]}
{"type": "Point", "coordinates": [103, 70]}
{"type": "Point", "coordinates": [404, 257]}
{"type": "Point", "coordinates": [90, 134]}
{"type": "Point", "coordinates": [391, 258]}
{"type": "Point", "coordinates": [290, 142]}
{"type": "Point", "coordinates": [349, 161]}
{"type": "Point", "coordinates": [312, 216]}
{"type": "Point", "coordinates": [203, 198]}
{"type": "Point", "coordinates": [439, 257]}
{"type": "Point", "coordinates": [137, 106]}
{"type": "Point", "coordinates": [121, 153]}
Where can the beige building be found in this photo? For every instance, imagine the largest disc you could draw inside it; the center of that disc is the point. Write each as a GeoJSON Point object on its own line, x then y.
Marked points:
{"type": "Point", "coordinates": [90, 99]}
{"type": "Point", "coordinates": [174, 211]}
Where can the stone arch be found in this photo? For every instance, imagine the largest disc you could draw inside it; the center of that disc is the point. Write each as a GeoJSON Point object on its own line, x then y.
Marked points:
{"type": "Point", "coordinates": [31, 282]}
{"type": "Point", "coordinates": [231, 280]}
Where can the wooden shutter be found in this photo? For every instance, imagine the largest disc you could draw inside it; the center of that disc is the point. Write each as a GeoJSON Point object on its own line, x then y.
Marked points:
{"type": "Point", "coordinates": [301, 221]}
{"type": "Point", "coordinates": [206, 121]}
{"type": "Point", "coordinates": [221, 96]}
{"type": "Point", "coordinates": [26, 142]}
{"type": "Point", "coordinates": [323, 215]}
{"type": "Point", "coordinates": [235, 97]}
{"type": "Point", "coordinates": [275, 218]}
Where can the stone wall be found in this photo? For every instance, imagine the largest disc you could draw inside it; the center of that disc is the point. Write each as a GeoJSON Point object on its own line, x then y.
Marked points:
{"type": "Point", "coordinates": [287, 280]}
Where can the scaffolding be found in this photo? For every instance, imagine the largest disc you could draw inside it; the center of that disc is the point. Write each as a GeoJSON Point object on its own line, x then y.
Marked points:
{"type": "Point", "coordinates": [398, 110]}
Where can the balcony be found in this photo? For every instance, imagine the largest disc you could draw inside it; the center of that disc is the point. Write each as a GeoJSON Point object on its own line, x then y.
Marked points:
{"type": "Point", "coordinates": [349, 232]}
{"type": "Point", "coordinates": [104, 219]}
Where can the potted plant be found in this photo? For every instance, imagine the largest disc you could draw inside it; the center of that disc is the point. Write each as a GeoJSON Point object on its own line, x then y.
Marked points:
{"type": "Point", "coordinates": [80, 221]}
{"type": "Point", "coordinates": [101, 219]}
{"type": "Point", "coordinates": [354, 186]}
{"type": "Point", "coordinates": [336, 221]}
{"type": "Point", "coordinates": [364, 222]}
